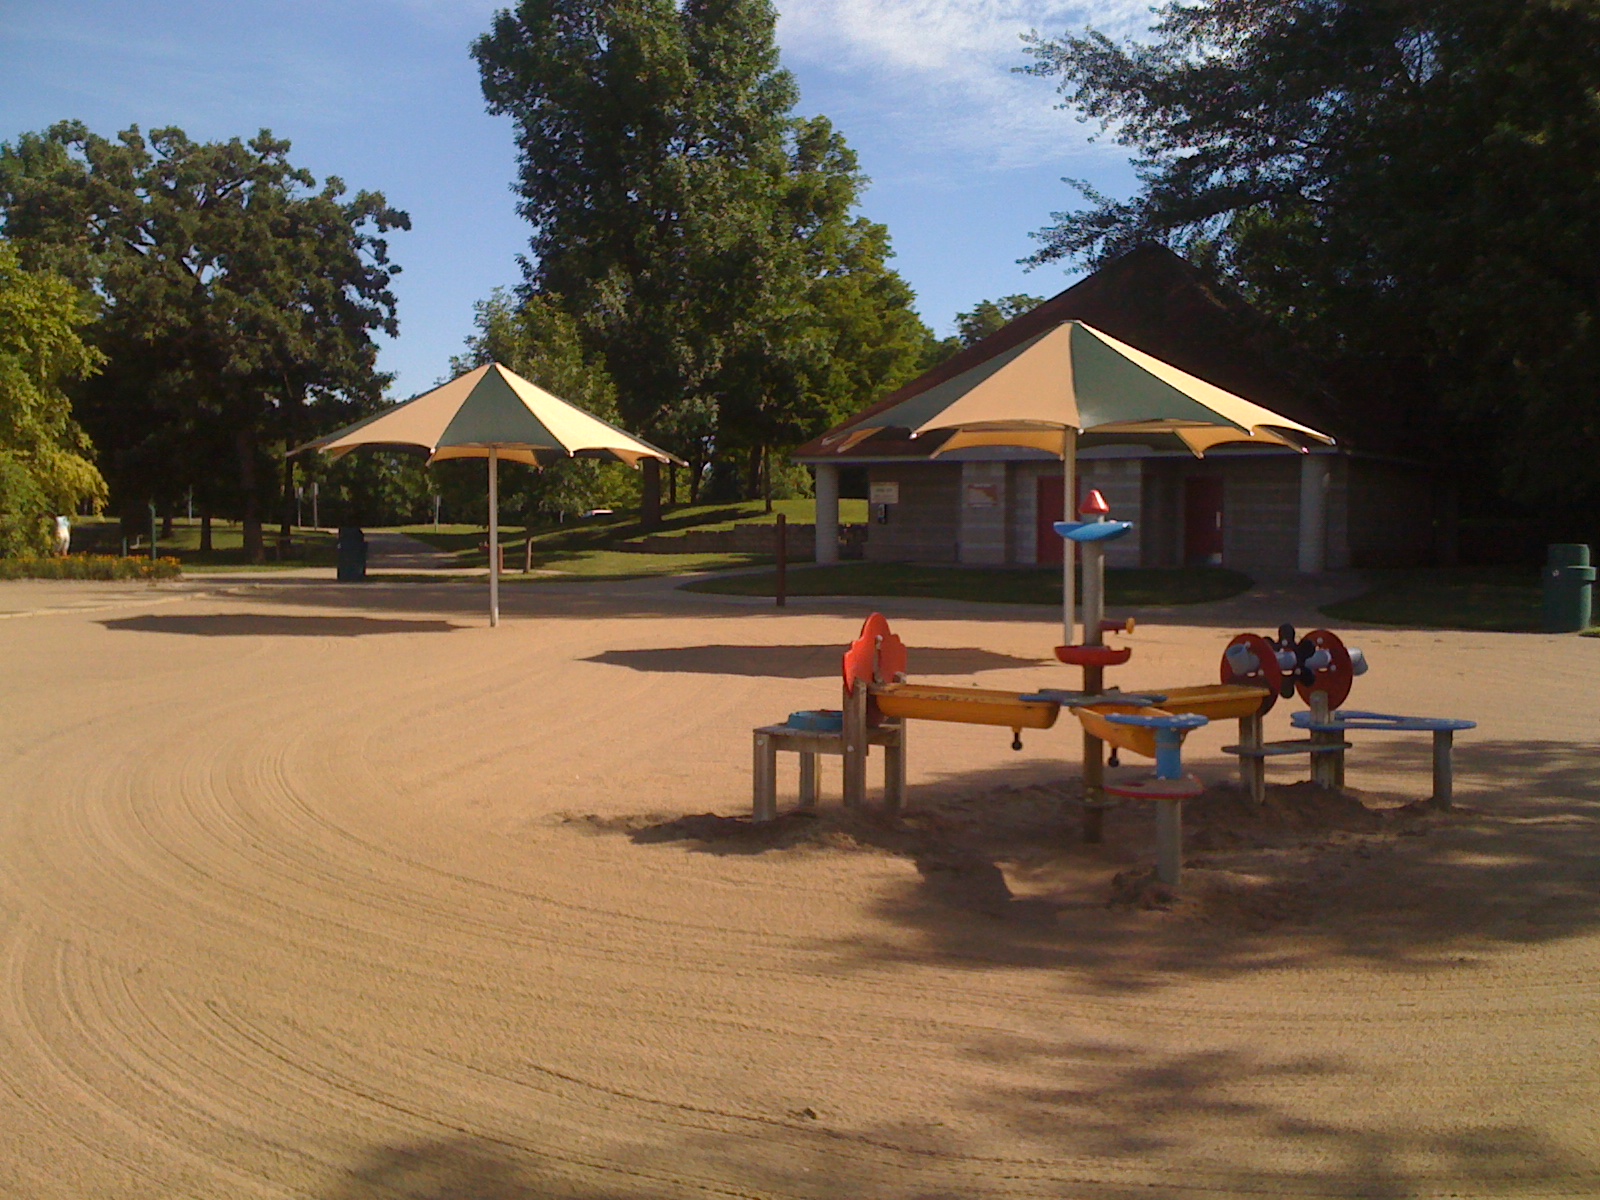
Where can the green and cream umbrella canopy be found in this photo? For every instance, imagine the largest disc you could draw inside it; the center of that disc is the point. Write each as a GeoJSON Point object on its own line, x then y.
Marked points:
{"type": "Point", "coordinates": [1072, 379]}
{"type": "Point", "coordinates": [495, 414]}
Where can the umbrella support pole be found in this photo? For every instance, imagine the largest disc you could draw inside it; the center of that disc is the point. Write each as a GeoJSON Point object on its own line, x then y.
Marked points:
{"type": "Point", "coordinates": [1069, 496]}
{"type": "Point", "coordinates": [494, 537]}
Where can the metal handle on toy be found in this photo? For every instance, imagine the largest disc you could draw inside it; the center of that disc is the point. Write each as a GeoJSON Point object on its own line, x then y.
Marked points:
{"type": "Point", "coordinates": [1241, 661]}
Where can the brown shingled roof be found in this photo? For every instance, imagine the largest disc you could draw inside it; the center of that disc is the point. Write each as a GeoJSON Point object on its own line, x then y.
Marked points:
{"type": "Point", "coordinates": [1157, 302]}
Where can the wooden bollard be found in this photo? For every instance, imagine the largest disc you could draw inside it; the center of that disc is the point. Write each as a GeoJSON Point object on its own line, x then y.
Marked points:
{"type": "Point", "coordinates": [782, 588]}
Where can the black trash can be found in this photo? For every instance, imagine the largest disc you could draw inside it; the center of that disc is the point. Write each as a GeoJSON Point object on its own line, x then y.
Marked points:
{"type": "Point", "coordinates": [1568, 588]}
{"type": "Point", "coordinates": [352, 554]}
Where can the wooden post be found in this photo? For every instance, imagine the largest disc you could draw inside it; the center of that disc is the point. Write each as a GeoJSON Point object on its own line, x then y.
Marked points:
{"type": "Point", "coordinates": [1094, 681]}
{"type": "Point", "coordinates": [1443, 776]}
{"type": "Point", "coordinates": [894, 770]}
{"type": "Point", "coordinates": [782, 588]}
{"type": "Point", "coordinates": [1169, 841]}
{"type": "Point", "coordinates": [808, 779]}
{"type": "Point", "coordinates": [855, 747]}
{"type": "Point", "coordinates": [1252, 768]}
{"type": "Point", "coordinates": [1094, 768]}
{"type": "Point", "coordinates": [764, 778]}
{"type": "Point", "coordinates": [1322, 765]}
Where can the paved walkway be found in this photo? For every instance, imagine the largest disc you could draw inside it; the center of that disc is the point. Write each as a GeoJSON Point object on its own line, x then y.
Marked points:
{"type": "Point", "coordinates": [388, 550]}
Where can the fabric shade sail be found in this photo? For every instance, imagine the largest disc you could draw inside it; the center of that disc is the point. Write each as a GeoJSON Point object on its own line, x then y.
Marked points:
{"type": "Point", "coordinates": [496, 414]}
{"type": "Point", "coordinates": [1073, 379]}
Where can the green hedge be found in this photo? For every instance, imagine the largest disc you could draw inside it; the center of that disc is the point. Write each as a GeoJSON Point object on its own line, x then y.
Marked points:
{"type": "Point", "coordinates": [88, 566]}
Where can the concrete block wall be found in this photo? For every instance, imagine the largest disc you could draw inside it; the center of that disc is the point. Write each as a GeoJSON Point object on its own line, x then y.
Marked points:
{"type": "Point", "coordinates": [1025, 508]}
{"type": "Point", "coordinates": [985, 499]}
{"type": "Point", "coordinates": [1121, 482]}
{"type": "Point", "coordinates": [926, 525]}
{"type": "Point", "coordinates": [1260, 511]}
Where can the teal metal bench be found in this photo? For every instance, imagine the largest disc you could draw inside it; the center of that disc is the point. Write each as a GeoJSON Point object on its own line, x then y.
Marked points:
{"type": "Point", "coordinates": [1443, 730]}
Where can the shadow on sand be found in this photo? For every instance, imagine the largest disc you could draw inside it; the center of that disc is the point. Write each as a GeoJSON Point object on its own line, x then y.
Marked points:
{"type": "Point", "coordinates": [1103, 1123]}
{"type": "Point", "coordinates": [799, 662]}
{"type": "Point", "coordinates": [274, 625]}
{"type": "Point", "coordinates": [1003, 878]}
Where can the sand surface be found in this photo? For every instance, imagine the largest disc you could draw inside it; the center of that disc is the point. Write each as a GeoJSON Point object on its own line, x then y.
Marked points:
{"type": "Point", "coordinates": [334, 892]}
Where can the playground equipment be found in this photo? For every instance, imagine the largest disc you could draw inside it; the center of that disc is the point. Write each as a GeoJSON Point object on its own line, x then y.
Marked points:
{"type": "Point", "coordinates": [877, 704]}
{"type": "Point", "coordinates": [1098, 713]}
{"type": "Point", "coordinates": [1318, 667]}
{"type": "Point", "coordinates": [1169, 787]}
{"type": "Point", "coordinates": [1333, 726]}
{"type": "Point", "coordinates": [1321, 670]}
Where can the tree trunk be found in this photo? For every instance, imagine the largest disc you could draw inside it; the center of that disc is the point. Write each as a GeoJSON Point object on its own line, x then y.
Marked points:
{"type": "Point", "coordinates": [752, 474]}
{"type": "Point", "coordinates": [672, 485]}
{"type": "Point", "coordinates": [697, 468]}
{"type": "Point", "coordinates": [286, 526]}
{"type": "Point", "coordinates": [166, 522]}
{"type": "Point", "coordinates": [205, 531]}
{"type": "Point", "coordinates": [766, 477]}
{"type": "Point", "coordinates": [255, 550]}
{"type": "Point", "coordinates": [650, 497]}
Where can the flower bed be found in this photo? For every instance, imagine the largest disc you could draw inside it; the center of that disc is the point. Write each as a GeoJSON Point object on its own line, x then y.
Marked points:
{"type": "Point", "coordinates": [88, 566]}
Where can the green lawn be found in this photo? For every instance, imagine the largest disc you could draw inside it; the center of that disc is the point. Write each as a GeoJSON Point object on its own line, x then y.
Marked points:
{"type": "Point", "coordinates": [309, 547]}
{"type": "Point", "coordinates": [1125, 587]}
{"type": "Point", "coordinates": [1503, 599]}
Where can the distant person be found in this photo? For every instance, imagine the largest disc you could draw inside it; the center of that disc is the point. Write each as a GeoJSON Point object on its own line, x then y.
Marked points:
{"type": "Point", "coordinates": [63, 535]}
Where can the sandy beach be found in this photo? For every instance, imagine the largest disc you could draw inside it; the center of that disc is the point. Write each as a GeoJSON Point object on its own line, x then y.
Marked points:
{"type": "Point", "coordinates": [327, 891]}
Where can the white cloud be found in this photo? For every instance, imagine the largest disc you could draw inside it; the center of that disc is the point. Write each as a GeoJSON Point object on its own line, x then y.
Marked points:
{"type": "Point", "coordinates": [947, 65]}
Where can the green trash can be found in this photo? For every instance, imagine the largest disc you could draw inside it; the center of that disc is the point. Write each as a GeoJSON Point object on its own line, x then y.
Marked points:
{"type": "Point", "coordinates": [352, 554]}
{"type": "Point", "coordinates": [1568, 588]}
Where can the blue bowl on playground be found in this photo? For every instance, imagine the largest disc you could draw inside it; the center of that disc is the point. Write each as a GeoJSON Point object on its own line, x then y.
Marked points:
{"type": "Point", "coordinates": [817, 720]}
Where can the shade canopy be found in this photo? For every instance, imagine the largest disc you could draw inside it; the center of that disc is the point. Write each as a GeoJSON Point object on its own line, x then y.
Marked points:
{"type": "Point", "coordinates": [1071, 379]}
{"type": "Point", "coordinates": [1075, 378]}
{"type": "Point", "coordinates": [493, 413]}
{"type": "Point", "coordinates": [492, 407]}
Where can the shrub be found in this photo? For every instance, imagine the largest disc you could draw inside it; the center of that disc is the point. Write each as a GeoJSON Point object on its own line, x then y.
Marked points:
{"type": "Point", "coordinates": [87, 566]}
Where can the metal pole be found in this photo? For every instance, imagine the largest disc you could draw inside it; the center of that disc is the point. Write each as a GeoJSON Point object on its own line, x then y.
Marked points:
{"type": "Point", "coordinates": [1069, 488]}
{"type": "Point", "coordinates": [316, 521]}
{"type": "Point", "coordinates": [152, 531]}
{"type": "Point", "coordinates": [494, 536]}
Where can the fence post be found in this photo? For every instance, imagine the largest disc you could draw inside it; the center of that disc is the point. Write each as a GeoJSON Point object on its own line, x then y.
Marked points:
{"type": "Point", "coordinates": [783, 562]}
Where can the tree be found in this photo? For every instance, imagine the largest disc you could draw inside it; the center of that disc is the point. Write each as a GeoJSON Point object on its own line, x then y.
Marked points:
{"type": "Point", "coordinates": [684, 218]}
{"type": "Point", "coordinates": [1409, 186]}
{"type": "Point", "coordinates": [987, 316]}
{"type": "Point", "coordinates": [236, 296]}
{"type": "Point", "coordinates": [45, 466]}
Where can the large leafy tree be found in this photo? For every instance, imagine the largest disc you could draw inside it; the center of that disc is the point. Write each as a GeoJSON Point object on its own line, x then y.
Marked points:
{"type": "Point", "coordinates": [697, 231]}
{"type": "Point", "coordinates": [45, 465]}
{"type": "Point", "coordinates": [235, 294]}
{"type": "Point", "coordinates": [1411, 186]}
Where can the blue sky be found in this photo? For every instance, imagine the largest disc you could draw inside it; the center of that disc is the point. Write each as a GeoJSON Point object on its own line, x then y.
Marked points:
{"type": "Point", "coordinates": [965, 157]}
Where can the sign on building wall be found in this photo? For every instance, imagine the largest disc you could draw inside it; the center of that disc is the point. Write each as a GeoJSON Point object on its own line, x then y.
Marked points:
{"type": "Point", "coordinates": [884, 493]}
{"type": "Point", "coordinates": [982, 495]}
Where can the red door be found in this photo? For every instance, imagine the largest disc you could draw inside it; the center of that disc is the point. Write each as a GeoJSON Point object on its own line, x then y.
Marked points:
{"type": "Point", "coordinates": [1046, 513]}
{"type": "Point", "coordinates": [1202, 521]}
